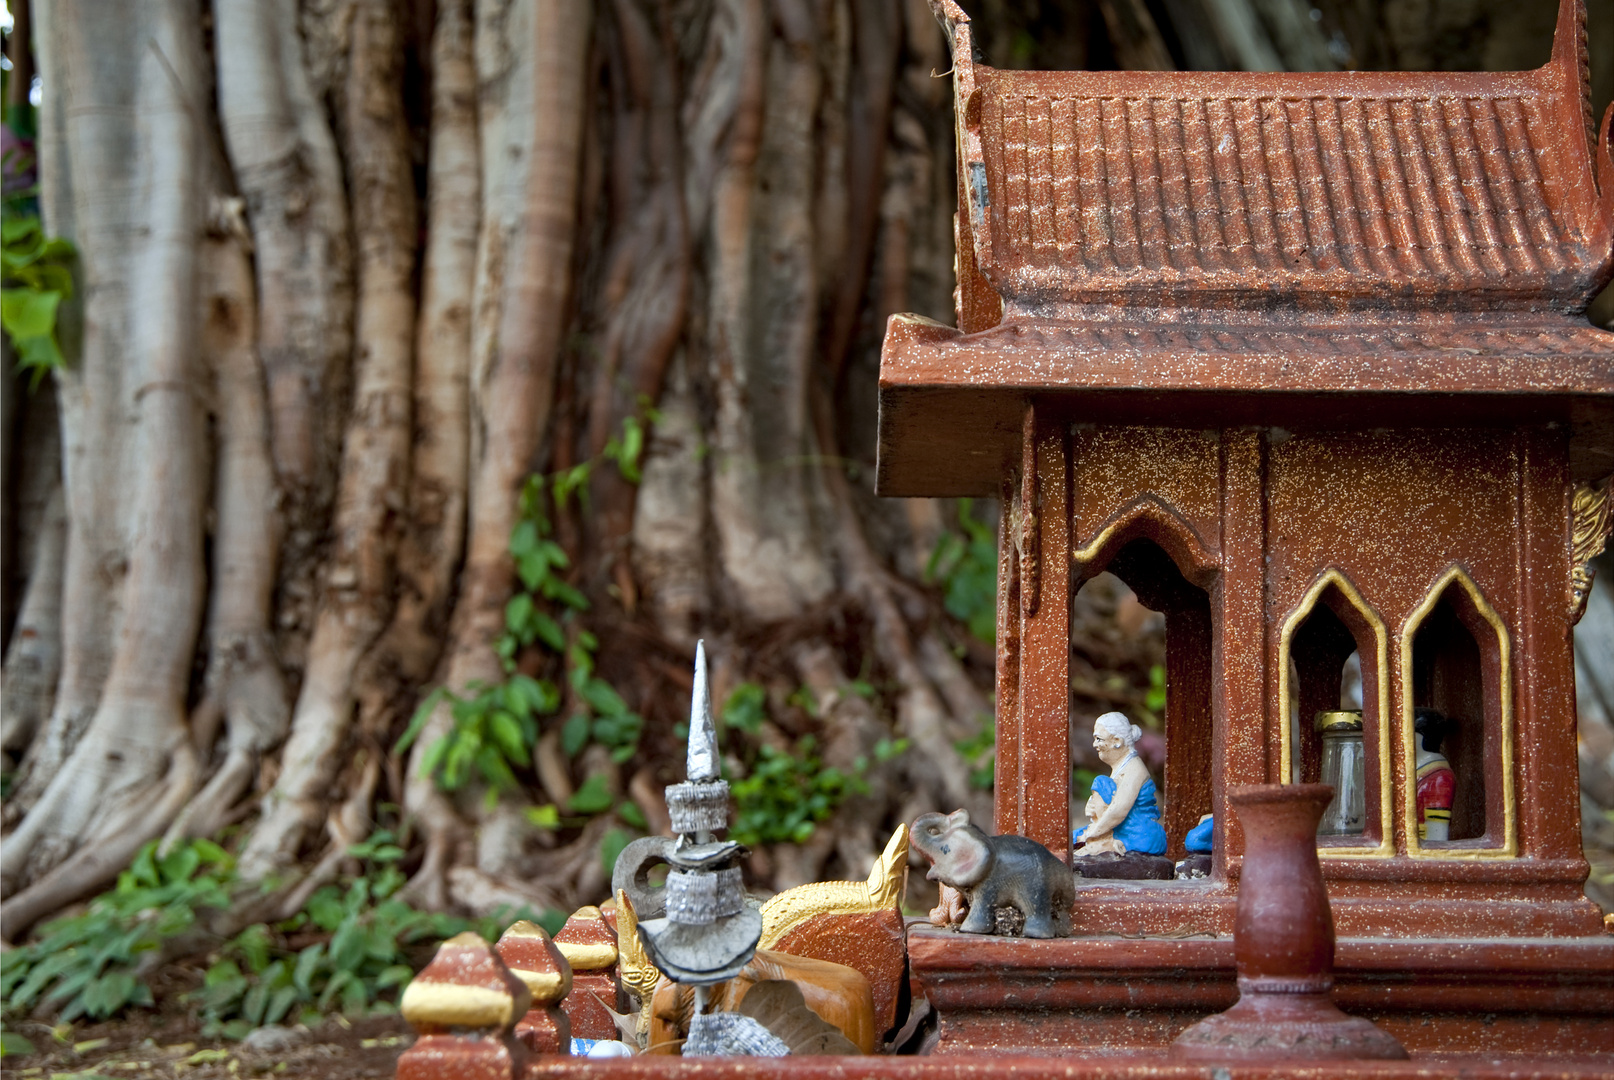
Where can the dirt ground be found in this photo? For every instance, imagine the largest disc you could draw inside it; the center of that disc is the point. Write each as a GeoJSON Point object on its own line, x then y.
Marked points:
{"type": "Point", "coordinates": [170, 1048]}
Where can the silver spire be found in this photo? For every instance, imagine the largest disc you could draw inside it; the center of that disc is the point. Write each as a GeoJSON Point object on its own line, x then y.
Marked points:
{"type": "Point", "coordinates": [701, 763]}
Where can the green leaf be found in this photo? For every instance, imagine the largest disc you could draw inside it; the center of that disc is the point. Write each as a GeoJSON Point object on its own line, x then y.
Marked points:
{"type": "Point", "coordinates": [417, 722]}
{"type": "Point", "coordinates": [38, 355]}
{"type": "Point", "coordinates": [539, 695]}
{"type": "Point", "coordinates": [255, 1004]}
{"type": "Point", "coordinates": [325, 908]}
{"type": "Point", "coordinates": [574, 735]}
{"type": "Point", "coordinates": [544, 817]}
{"type": "Point", "coordinates": [593, 797]}
{"type": "Point", "coordinates": [12, 1044]}
{"type": "Point", "coordinates": [507, 737]}
{"type": "Point", "coordinates": [554, 553]}
{"type": "Point", "coordinates": [355, 996]}
{"type": "Point", "coordinates": [557, 590]}
{"type": "Point", "coordinates": [548, 631]}
{"type": "Point", "coordinates": [308, 964]}
{"type": "Point", "coordinates": [395, 975]}
{"type": "Point", "coordinates": [27, 313]}
{"type": "Point", "coordinates": [280, 1004]}
{"type": "Point", "coordinates": [461, 754]}
{"type": "Point", "coordinates": [434, 755]}
{"type": "Point", "coordinates": [17, 229]}
{"type": "Point", "coordinates": [746, 708]}
{"type": "Point", "coordinates": [347, 948]}
{"type": "Point", "coordinates": [572, 480]}
{"type": "Point", "coordinates": [629, 811]}
{"type": "Point", "coordinates": [213, 855]}
{"type": "Point", "coordinates": [611, 845]}
{"type": "Point", "coordinates": [109, 993]}
{"type": "Point", "coordinates": [603, 697]}
{"type": "Point", "coordinates": [490, 762]}
{"type": "Point", "coordinates": [524, 538]}
{"type": "Point", "coordinates": [518, 613]}
{"type": "Point", "coordinates": [253, 945]}
{"type": "Point", "coordinates": [223, 973]}
{"type": "Point", "coordinates": [334, 987]}
{"type": "Point", "coordinates": [144, 867]}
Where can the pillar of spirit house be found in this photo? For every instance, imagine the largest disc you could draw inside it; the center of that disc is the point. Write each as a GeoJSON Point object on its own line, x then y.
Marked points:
{"type": "Point", "coordinates": [1302, 359]}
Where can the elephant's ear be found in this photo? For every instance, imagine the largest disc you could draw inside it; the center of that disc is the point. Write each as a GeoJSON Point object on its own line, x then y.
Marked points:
{"type": "Point", "coordinates": [958, 819]}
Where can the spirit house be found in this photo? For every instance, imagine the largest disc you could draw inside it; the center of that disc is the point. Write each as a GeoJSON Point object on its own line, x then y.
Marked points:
{"type": "Point", "coordinates": [1302, 359]}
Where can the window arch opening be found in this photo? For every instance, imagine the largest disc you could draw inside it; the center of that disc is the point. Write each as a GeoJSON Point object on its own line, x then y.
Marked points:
{"type": "Point", "coordinates": [1335, 733]}
{"type": "Point", "coordinates": [1457, 723]}
{"type": "Point", "coordinates": [1173, 697]}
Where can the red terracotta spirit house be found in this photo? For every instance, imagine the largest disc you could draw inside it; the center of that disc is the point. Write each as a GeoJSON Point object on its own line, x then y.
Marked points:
{"type": "Point", "coordinates": [1302, 359]}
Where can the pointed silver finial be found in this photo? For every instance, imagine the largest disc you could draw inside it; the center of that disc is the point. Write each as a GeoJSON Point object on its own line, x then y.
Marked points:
{"type": "Point", "coordinates": [701, 763]}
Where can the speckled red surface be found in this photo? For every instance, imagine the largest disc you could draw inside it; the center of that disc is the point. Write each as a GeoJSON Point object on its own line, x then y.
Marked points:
{"type": "Point", "coordinates": [1291, 355]}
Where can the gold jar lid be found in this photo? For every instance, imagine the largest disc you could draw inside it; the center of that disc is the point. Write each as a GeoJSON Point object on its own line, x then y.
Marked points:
{"type": "Point", "coordinates": [1339, 720]}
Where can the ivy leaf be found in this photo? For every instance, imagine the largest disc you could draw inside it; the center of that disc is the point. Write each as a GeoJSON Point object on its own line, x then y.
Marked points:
{"type": "Point", "coordinates": [594, 797]}
{"type": "Point", "coordinates": [435, 754]}
{"type": "Point", "coordinates": [180, 864]}
{"type": "Point", "coordinates": [555, 589]}
{"type": "Point", "coordinates": [27, 313]}
{"type": "Point", "coordinates": [535, 695]}
{"type": "Point", "coordinates": [12, 1044]}
{"type": "Point", "coordinates": [395, 975]}
{"type": "Point", "coordinates": [423, 713]}
{"type": "Point", "coordinates": [507, 736]}
{"type": "Point", "coordinates": [18, 228]}
{"type": "Point", "coordinates": [518, 614]}
{"type": "Point", "coordinates": [308, 962]}
{"type": "Point", "coordinates": [280, 1004]}
{"type": "Point", "coordinates": [491, 764]}
{"type": "Point", "coordinates": [554, 553]}
{"type": "Point", "coordinates": [611, 845]}
{"type": "Point", "coordinates": [524, 538]}
{"type": "Point", "coordinates": [548, 631]}
{"type": "Point", "coordinates": [629, 811]}
{"type": "Point", "coordinates": [574, 736]}
{"type": "Point", "coordinates": [603, 697]}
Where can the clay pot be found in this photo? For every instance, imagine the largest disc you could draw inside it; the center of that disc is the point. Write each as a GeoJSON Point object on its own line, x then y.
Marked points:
{"type": "Point", "coordinates": [1283, 943]}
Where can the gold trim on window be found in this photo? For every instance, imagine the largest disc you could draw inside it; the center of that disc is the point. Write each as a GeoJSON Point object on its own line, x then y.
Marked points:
{"type": "Point", "coordinates": [1381, 659]}
{"type": "Point", "coordinates": [1509, 847]}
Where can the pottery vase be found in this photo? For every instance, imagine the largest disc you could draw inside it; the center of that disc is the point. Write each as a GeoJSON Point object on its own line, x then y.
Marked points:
{"type": "Point", "coordinates": [1283, 944]}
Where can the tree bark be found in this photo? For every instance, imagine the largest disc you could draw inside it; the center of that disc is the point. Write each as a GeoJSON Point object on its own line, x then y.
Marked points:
{"type": "Point", "coordinates": [531, 59]}
{"type": "Point", "coordinates": [285, 159]}
{"type": "Point", "coordinates": [133, 463]}
{"type": "Point", "coordinates": [356, 596]}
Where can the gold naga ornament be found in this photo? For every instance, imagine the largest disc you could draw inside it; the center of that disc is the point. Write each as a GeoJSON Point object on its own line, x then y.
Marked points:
{"type": "Point", "coordinates": [1591, 515]}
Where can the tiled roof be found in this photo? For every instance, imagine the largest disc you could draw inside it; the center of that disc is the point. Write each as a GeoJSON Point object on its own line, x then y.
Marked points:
{"type": "Point", "coordinates": [1207, 188]}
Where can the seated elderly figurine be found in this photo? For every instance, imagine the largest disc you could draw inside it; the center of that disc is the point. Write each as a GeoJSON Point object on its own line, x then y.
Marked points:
{"type": "Point", "coordinates": [1124, 815]}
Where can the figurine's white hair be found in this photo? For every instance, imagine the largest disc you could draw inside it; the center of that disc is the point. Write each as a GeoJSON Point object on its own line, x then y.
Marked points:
{"type": "Point", "coordinates": [1117, 724]}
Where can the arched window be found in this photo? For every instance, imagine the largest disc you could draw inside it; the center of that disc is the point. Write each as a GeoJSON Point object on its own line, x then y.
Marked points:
{"type": "Point", "coordinates": [1456, 668]}
{"type": "Point", "coordinates": [1184, 786]}
{"type": "Point", "coordinates": [1330, 626]}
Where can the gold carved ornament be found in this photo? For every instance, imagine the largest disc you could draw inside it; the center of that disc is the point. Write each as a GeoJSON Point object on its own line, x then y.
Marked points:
{"type": "Point", "coordinates": [634, 968]}
{"type": "Point", "coordinates": [882, 890]}
{"type": "Point", "coordinates": [1591, 516]}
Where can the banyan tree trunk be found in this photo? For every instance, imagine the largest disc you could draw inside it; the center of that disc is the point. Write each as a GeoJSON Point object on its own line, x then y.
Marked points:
{"type": "Point", "coordinates": [349, 278]}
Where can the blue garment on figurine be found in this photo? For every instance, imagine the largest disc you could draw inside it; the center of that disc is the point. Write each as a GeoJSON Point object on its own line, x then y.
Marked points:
{"type": "Point", "coordinates": [1198, 839]}
{"type": "Point", "coordinates": [1141, 830]}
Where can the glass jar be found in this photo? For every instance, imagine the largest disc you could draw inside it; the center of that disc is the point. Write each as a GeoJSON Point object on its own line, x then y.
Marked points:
{"type": "Point", "coordinates": [1344, 767]}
